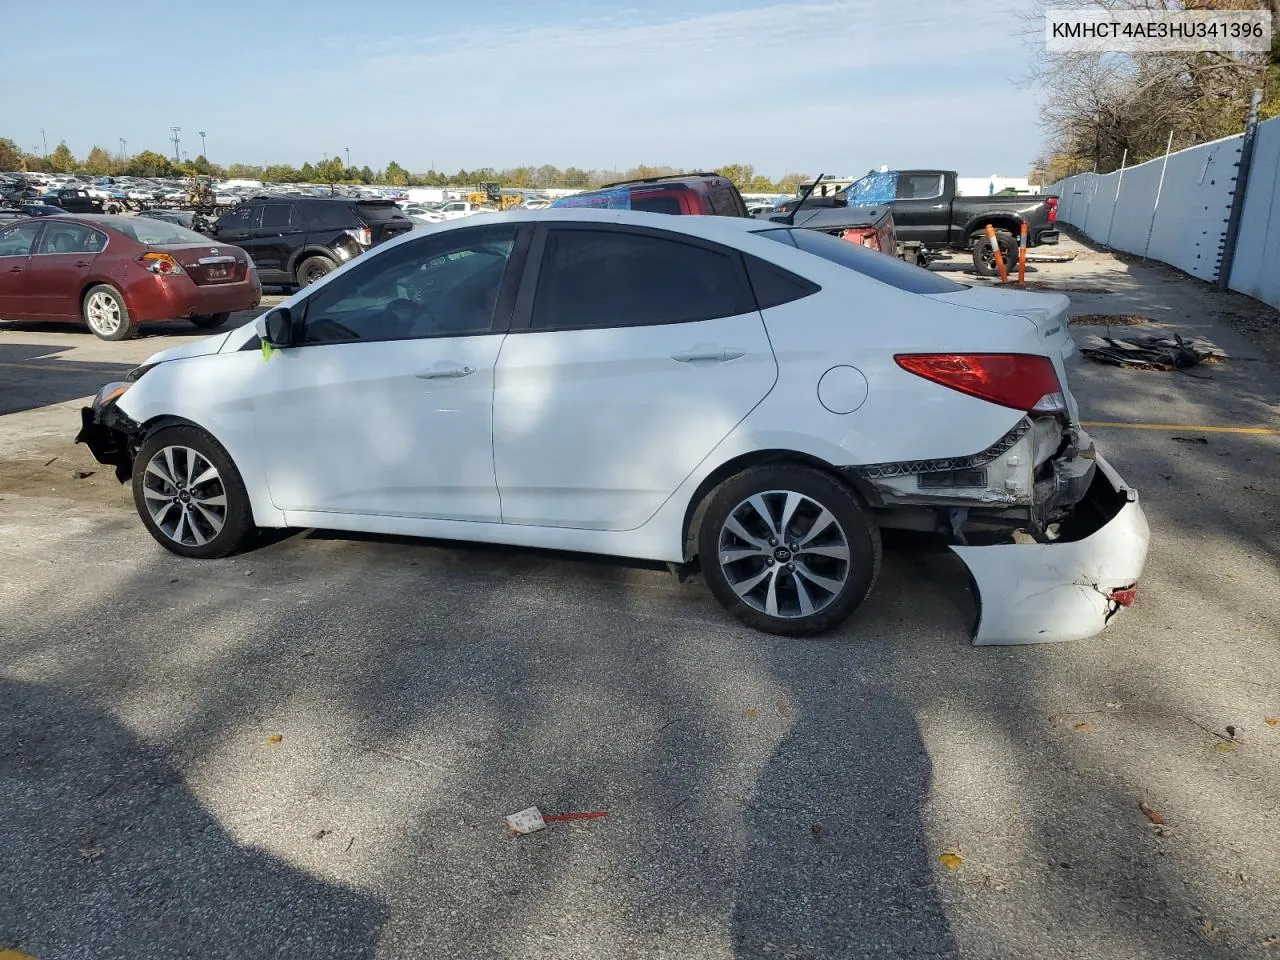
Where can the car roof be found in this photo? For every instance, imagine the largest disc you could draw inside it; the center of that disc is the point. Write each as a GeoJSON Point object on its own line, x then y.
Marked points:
{"type": "Point", "coordinates": [709, 228]}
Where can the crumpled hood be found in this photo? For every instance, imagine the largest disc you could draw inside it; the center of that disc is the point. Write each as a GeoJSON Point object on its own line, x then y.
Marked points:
{"type": "Point", "coordinates": [196, 348]}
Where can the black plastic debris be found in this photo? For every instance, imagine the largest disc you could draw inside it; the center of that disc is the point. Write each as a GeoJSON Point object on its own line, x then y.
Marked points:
{"type": "Point", "coordinates": [1152, 353]}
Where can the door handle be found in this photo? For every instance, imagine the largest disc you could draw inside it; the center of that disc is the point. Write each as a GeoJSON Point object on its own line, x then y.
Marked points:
{"type": "Point", "coordinates": [82, 263]}
{"type": "Point", "coordinates": [706, 353]}
{"type": "Point", "coordinates": [445, 372]}
{"type": "Point", "coordinates": [15, 269]}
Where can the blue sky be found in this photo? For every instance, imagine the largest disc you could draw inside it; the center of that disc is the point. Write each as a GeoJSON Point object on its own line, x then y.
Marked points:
{"type": "Point", "coordinates": [831, 85]}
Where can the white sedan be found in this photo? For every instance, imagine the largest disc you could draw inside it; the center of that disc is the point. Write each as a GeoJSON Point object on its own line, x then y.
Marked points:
{"type": "Point", "coordinates": [733, 393]}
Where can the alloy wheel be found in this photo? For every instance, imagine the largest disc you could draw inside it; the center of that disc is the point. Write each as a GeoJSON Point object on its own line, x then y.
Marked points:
{"type": "Point", "coordinates": [103, 313]}
{"type": "Point", "coordinates": [783, 553]}
{"type": "Point", "coordinates": [185, 496]}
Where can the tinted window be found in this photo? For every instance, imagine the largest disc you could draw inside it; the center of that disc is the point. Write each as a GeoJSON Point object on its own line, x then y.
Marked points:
{"type": "Point", "coordinates": [159, 232]}
{"type": "Point", "coordinates": [242, 217]}
{"type": "Point", "coordinates": [597, 278]}
{"type": "Point", "coordinates": [919, 186]}
{"type": "Point", "coordinates": [277, 216]}
{"type": "Point", "coordinates": [774, 286]}
{"type": "Point", "coordinates": [327, 214]}
{"type": "Point", "coordinates": [70, 238]}
{"type": "Point", "coordinates": [872, 189]}
{"type": "Point", "coordinates": [378, 210]}
{"type": "Point", "coordinates": [440, 286]}
{"type": "Point", "coordinates": [16, 241]}
{"type": "Point", "coordinates": [656, 203]}
{"type": "Point", "coordinates": [724, 203]}
{"type": "Point", "coordinates": [877, 266]}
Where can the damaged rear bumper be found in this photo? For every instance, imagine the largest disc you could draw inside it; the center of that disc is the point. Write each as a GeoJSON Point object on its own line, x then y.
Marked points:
{"type": "Point", "coordinates": [1068, 589]}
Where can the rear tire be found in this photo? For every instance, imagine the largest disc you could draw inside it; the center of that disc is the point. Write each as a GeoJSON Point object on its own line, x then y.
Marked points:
{"type": "Point", "coordinates": [212, 321]}
{"type": "Point", "coordinates": [984, 261]}
{"type": "Point", "coordinates": [801, 570]}
{"type": "Point", "coordinates": [189, 494]}
{"type": "Point", "coordinates": [106, 314]}
{"type": "Point", "coordinates": [314, 268]}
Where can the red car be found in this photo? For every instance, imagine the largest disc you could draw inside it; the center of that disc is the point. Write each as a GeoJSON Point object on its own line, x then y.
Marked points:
{"type": "Point", "coordinates": [113, 273]}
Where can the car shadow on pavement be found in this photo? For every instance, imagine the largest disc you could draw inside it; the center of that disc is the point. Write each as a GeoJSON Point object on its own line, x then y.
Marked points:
{"type": "Point", "coordinates": [107, 853]}
{"type": "Point", "coordinates": [836, 862]}
{"type": "Point", "coordinates": [32, 375]}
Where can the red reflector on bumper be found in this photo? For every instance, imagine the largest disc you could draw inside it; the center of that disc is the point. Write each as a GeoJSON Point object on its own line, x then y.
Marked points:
{"type": "Point", "coordinates": [1125, 595]}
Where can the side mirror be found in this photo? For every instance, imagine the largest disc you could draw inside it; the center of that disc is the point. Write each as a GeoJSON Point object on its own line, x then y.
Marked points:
{"type": "Point", "coordinates": [277, 328]}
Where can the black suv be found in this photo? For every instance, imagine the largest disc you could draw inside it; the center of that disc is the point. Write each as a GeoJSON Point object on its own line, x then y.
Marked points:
{"type": "Point", "coordinates": [294, 241]}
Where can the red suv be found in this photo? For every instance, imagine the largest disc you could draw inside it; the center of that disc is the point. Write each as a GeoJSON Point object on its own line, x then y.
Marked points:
{"type": "Point", "coordinates": [690, 194]}
{"type": "Point", "coordinates": [112, 273]}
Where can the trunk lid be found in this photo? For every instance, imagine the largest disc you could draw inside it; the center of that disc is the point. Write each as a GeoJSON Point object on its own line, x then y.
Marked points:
{"type": "Point", "coordinates": [1047, 312]}
{"type": "Point", "coordinates": [209, 264]}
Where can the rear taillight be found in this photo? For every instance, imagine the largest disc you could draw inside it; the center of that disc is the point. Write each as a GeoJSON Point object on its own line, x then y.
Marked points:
{"type": "Point", "coordinates": [362, 236]}
{"type": "Point", "coordinates": [1053, 209]}
{"type": "Point", "coordinates": [1018, 380]}
{"type": "Point", "coordinates": [161, 263]}
{"type": "Point", "coordinates": [862, 237]}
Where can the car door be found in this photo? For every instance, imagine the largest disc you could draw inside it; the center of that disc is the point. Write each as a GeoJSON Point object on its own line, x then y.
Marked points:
{"type": "Point", "coordinates": [385, 405]}
{"type": "Point", "coordinates": [272, 238]}
{"type": "Point", "coordinates": [635, 354]}
{"type": "Point", "coordinates": [58, 268]}
{"type": "Point", "coordinates": [240, 225]}
{"type": "Point", "coordinates": [16, 244]}
{"type": "Point", "coordinates": [920, 211]}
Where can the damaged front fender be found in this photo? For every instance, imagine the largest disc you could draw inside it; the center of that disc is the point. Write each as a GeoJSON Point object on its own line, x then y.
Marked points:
{"type": "Point", "coordinates": [1068, 589]}
{"type": "Point", "coordinates": [110, 435]}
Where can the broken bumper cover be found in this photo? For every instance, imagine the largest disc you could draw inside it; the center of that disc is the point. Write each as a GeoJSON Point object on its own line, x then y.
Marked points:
{"type": "Point", "coordinates": [108, 433]}
{"type": "Point", "coordinates": [1068, 589]}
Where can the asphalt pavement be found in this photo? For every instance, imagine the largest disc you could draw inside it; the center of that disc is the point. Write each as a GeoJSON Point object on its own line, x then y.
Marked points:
{"type": "Point", "coordinates": [308, 750]}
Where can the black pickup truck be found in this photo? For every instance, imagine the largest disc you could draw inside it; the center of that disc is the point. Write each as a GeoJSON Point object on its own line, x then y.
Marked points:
{"type": "Point", "coordinates": [72, 200]}
{"type": "Point", "coordinates": [927, 212]}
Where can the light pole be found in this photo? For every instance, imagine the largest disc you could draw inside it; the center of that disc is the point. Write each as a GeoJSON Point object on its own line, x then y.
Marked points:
{"type": "Point", "coordinates": [176, 141]}
{"type": "Point", "coordinates": [124, 146]}
{"type": "Point", "coordinates": [44, 140]}
{"type": "Point", "coordinates": [348, 149]}
{"type": "Point", "coordinates": [204, 151]}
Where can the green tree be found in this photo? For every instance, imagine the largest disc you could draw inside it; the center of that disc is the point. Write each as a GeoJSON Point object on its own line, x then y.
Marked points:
{"type": "Point", "coordinates": [396, 175]}
{"type": "Point", "coordinates": [307, 173]}
{"type": "Point", "coordinates": [99, 162]}
{"type": "Point", "coordinates": [246, 171]}
{"type": "Point", "coordinates": [62, 159]}
{"type": "Point", "coordinates": [148, 163]}
{"type": "Point", "coordinates": [281, 173]}
{"type": "Point", "coordinates": [10, 155]}
{"type": "Point", "coordinates": [328, 171]}
{"type": "Point", "coordinates": [366, 175]}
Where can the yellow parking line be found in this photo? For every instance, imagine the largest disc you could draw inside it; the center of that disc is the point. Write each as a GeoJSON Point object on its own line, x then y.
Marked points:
{"type": "Point", "coordinates": [1188, 427]}
{"type": "Point", "coordinates": [45, 368]}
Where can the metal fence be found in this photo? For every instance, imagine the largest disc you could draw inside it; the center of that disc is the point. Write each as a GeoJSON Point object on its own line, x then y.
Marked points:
{"type": "Point", "coordinates": [1175, 209]}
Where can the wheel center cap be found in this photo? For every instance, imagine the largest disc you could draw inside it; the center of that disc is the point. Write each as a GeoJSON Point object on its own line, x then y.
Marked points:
{"type": "Point", "coordinates": [782, 554]}
{"type": "Point", "coordinates": [184, 497]}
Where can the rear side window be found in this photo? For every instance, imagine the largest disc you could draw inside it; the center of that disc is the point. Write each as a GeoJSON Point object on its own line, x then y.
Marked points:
{"type": "Point", "coordinates": [774, 286]}
{"type": "Point", "coordinates": [327, 215]}
{"type": "Point", "coordinates": [277, 216]}
{"type": "Point", "coordinates": [877, 266]}
{"type": "Point", "coordinates": [242, 217]}
{"type": "Point", "coordinates": [724, 203]}
{"type": "Point", "coordinates": [597, 278]}
{"type": "Point", "coordinates": [656, 203]}
{"type": "Point", "coordinates": [919, 186]}
{"type": "Point", "coordinates": [378, 211]}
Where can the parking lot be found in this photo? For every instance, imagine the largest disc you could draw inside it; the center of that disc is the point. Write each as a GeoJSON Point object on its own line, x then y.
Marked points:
{"type": "Point", "coordinates": [314, 744]}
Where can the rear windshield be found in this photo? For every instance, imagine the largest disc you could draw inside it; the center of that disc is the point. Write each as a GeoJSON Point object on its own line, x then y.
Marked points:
{"type": "Point", "coordinates": [158, 232]}
{"type": "Point", "coordinates": [877, 266]}
{"type": "Point", "coordinates": [378, 210]}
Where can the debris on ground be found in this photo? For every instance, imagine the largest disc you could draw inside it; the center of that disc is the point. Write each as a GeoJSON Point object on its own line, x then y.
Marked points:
{"type": "Point", "coordinates": [1272, 721]}
{"type": "Point", "coordinates": [1110, 320]}
{"type": "Point", "coordinates": [274, 739]}
{"type": "Point", "coordinates": [1200, 440]}
{"type": "Point", "coordinates": [1084, 726]}
{"type": "Point", "coordinates": [1151, 813]}
{"type": "Point", "coordinates": [81, 474]}
{"type": "Point", "coordinates": [531, 819]}
{"type": "Point", "coordinates": [951, 858]}
{"type": "Point", "coordinates": [1152, 353]}
{"type": "Point", "coordinates": [321, 834]}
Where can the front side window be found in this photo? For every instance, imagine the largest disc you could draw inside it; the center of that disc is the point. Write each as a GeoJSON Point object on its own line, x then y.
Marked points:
{"type": "Point", "coordinates": [242, 217]}
{"type": "Point", "coordinates": [607, 278]}
{"type": "Point", "coordinates": [444, 285]}
{"type": "Point", "coordinates": [16, 241]}
{"type": "Point", "coordinates": [70, 238]}
{"type": "Point", "coordinates": [873, 188]}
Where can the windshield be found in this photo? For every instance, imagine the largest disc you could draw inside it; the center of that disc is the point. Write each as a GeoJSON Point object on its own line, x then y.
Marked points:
{"type": "Point", "coordinates": [155, 232]}
{"type": "Point", "coordinates": [873, 188]}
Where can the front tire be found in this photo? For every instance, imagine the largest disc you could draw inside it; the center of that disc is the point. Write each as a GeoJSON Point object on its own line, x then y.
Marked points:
{"type": "Point", "coordinates": [788, 549]}
{"type": "Point", "coordinates": [189, 494]}
{"type": "Point", "coordinates": [211, 321]}
{"type": "Point", "coordinates": [106, 314]}
{"type": "Point", "coordinates": [314, 268]}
